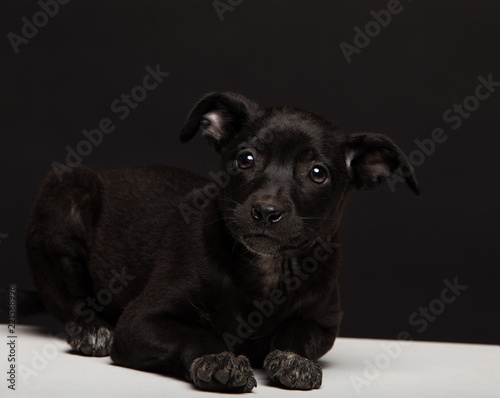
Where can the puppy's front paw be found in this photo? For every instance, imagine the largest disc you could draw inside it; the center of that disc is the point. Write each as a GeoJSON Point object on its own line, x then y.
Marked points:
{"type": "Point", "coordinates": [292, 371]}
{"type": "Point", "coordinates": [223, 372]}
{"type": "Point", "coordinates": [91, 341]}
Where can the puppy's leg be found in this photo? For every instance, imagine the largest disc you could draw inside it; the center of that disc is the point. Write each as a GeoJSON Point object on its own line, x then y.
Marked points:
{"type": "Point", "coordinates": [169, 343]}
{"type": "Point", "coordinates": [294, 349]}
{"type": "Point", "coordinates": [57, 238]}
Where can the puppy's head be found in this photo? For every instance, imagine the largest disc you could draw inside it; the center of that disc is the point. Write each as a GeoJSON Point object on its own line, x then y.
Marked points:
{"type": "Point", "coordinates": [288, 171]}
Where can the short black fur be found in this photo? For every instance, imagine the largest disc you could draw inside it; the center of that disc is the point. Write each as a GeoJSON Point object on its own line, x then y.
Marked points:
{"type": "Point", "coordinates": [170, 272]}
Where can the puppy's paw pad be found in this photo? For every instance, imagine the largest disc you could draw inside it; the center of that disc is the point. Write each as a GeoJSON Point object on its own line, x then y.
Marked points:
{"type": "Point", "coordinates": [223, 372]}
{"type": "Point", "coordinates": [293, 371]}
{"type": "Point", "coordinates": [91, 341]}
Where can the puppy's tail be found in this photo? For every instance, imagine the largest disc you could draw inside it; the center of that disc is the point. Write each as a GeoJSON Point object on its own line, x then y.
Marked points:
{"type": "Point", "coordinates": [25, 302]}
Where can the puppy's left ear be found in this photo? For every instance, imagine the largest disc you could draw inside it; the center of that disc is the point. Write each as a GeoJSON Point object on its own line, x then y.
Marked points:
{"type": "Point", "coordinates": [372, 158]}
{"type": "Point", "coordinates": [219, 116]}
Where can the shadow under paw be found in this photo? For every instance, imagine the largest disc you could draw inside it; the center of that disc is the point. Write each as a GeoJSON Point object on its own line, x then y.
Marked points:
{"type": "Point", "coordinates": [290, 370]}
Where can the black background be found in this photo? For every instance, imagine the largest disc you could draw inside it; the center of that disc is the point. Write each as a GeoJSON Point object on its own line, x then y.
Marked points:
{"type": "Point", "coordinates": [397, 248]}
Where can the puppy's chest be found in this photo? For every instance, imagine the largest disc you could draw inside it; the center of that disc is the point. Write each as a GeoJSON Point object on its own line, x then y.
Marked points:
{"type": "Point", "coordinates": [274, 275]}
{"type": "Point", "coordinates": [268, 294]}
{"type": "Point", "coordinates": [270, 273]}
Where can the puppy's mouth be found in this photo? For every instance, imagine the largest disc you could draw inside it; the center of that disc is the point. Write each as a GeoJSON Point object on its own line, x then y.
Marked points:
{"type": "Point", "coordinates": [266, 245]}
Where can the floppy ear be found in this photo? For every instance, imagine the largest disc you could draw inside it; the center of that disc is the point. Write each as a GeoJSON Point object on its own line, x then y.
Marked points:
{"type": "Point", "coordinates": [371, 158]}
{"type": "Point", "coordinates": [219, 116]}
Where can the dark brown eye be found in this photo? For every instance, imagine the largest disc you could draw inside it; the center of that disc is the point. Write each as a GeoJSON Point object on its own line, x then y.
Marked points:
{"type": "Point", "coordinates": [245, 160]}
{"type": "Point", "coordinates": [318, 174]}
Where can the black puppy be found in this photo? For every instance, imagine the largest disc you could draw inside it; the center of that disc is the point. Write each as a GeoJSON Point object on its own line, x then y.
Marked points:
{"type": "Point", "coordinates": [170, 272]}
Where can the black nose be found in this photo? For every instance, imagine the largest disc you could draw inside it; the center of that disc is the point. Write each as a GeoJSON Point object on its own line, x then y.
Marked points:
{"type": "Point", "coordinates": [267, 212]}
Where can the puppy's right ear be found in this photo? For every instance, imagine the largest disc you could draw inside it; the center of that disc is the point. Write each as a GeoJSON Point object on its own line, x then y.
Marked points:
{"type": "Point", "coordinates": [372, 158]}
{"type": "Point", "coordinates": [219, 117]}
